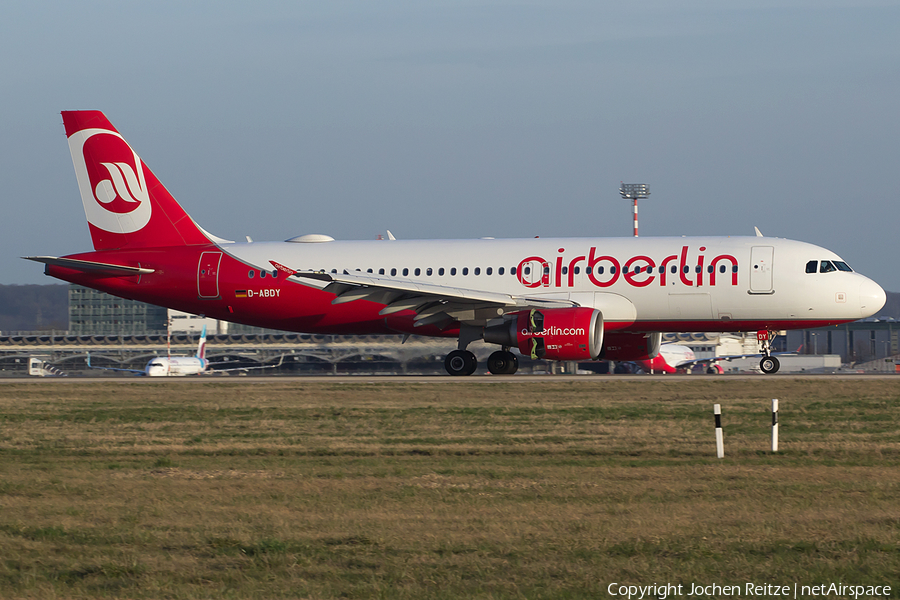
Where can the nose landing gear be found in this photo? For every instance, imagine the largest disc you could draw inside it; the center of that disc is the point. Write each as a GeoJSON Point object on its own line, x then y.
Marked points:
{"type": "Point", "coordinates": [768, 364]}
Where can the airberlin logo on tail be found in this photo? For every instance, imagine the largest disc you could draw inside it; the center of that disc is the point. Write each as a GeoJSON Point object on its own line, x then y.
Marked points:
{"type": "Point", "coordinates": [638, 271]}
{"type": "Point", "coordinates": [111, 181]}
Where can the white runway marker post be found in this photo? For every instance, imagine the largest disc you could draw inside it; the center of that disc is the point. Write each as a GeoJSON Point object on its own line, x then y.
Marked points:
{"type": "Point", "coordinates": [720, 443]}
{"type": "Point", "coordinates": [774, 424]}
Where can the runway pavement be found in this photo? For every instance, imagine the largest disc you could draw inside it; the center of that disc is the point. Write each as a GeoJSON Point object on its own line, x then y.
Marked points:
{"type": "Point", "coordinates": [443, 379]}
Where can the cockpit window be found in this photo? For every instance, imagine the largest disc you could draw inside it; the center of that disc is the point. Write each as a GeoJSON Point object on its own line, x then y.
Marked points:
{"type": "Point", "coordinates": [842, 266]}
{"type": "Point", "coordinates": [827, 266]}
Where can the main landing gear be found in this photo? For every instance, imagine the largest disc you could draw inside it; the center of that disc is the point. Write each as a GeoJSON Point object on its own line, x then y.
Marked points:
{"type": "Point", "coordinates": [463, 362]}
{"type": "Point", "coordinates": [503, 362]}
{"type": "Point", "coordinates": [769, 364]}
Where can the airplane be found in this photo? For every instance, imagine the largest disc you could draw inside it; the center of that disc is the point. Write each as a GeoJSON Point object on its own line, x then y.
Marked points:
{"type": "Point", "coordinates": [169, 366]}
{"type": "Point", "coordinates": [180, 366]}
{"type": "Point", "coordinates": [675, 358]}
{"type": "Point", "coordinates": [566, 299]}
{"type": "Point", "coordinates": [671, 357]}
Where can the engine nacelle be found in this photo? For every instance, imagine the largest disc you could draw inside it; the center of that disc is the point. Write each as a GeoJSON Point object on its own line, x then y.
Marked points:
{"type": "Point", "coordinates": [631, 346]}
{"type": "Point", "coordinates": [552, 334]}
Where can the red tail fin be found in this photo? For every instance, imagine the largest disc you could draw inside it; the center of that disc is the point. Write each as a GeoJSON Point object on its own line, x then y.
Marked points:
{"type": "Point", "coordinates": [125, 205]}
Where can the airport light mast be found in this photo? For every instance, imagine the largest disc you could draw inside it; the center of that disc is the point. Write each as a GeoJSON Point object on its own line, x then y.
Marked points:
{"type": "Point", "coordinates": [633, 191]}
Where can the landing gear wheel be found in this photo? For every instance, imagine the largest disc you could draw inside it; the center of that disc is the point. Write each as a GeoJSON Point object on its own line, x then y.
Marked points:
{"type": "Point", "coordinates": [461, 362]}
{"type": "Point", "coordinates": [711, 371]}
{"type": "Point", "coordinates": [502, 362]}
{"type": "Point", "coordinates": [769, 365]}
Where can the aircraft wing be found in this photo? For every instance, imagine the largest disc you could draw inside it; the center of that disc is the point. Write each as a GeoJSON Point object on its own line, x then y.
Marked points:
{"type": "Point", "coordinates": [212, 366]}
{"type": "Point", "coordinates": [433, 304]}
{"type": "Point", "coordinates": [728, 358]}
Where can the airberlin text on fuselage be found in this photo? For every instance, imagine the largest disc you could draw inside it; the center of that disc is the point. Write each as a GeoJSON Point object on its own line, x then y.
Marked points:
{"type": "Point", "coordinates": [639, 271]}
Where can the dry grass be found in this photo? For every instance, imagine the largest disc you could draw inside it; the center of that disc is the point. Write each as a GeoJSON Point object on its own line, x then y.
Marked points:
{"type": "Point", "coordinates": [514, 490]}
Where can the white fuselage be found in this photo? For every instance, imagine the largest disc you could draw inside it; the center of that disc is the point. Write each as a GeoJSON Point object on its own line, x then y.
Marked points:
{"type": "Point", "coordinates": [681, 284]}
{"type": "Point", "coordinates": [175, 366]}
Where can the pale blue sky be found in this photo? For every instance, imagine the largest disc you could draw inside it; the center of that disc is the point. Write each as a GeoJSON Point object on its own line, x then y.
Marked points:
{"type": "Point", "coordinates": [465, 119]}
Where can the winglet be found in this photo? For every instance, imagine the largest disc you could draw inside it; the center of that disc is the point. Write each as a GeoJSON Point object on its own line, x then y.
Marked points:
{"type": "Point", "coordinates": [758, 232]}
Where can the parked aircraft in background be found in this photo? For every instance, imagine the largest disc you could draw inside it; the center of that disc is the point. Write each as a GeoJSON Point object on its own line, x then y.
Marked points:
{"type": "Point", "coordinates": [169, 366]}
{"type": "Point", "coordinates": [566, 299]}
{"type": "Point", "coordinates": [671, 357]}
{"type": "Point", "coordinates": [179, 366]}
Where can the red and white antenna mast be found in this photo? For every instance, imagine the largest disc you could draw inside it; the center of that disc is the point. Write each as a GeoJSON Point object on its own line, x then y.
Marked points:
{"type": "Point", "coordinates": [633, 191]}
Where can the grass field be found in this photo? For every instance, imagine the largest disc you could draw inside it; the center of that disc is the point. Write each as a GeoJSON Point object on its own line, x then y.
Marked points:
{"type": "Point", "coordinates": [459, 490]}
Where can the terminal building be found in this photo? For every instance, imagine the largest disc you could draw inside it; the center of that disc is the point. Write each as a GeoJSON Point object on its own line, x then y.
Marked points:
{"type": "Point", "coordinates": [92, 312]}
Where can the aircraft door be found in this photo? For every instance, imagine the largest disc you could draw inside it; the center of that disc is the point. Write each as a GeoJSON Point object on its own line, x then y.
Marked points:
{"type": "Point", "coordinates": [761, 261]}
{"type": "Point", "coordinates": [208, 275]}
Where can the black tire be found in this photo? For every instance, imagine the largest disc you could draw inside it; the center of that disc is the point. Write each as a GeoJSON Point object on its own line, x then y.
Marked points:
{"type": "Point", "coordinates": [460, 362]}
{"type": "Point", "coordinates": [711, 371]}
{"type": "Point", "coordinates": [502, 362]}
{"type": "Point", "coordinates": [769, 365]}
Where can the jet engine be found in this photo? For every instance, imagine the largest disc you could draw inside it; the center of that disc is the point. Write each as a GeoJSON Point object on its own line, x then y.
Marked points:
{"type": "Point", "coordinates": [552, 334]}
{"type": "Point", "coordinates": [631, 346]}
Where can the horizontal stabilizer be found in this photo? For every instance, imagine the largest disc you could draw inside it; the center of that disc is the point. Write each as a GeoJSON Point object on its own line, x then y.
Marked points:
{"type": "Point", "coordinates": [89, 266]}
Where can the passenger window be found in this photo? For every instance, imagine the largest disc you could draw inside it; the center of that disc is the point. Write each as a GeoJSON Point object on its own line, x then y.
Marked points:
{"type": "Point", "coordinates": [381, 271]}
{"type": "Point", "coordinates": [441, 271]}
{"type": "Point", "coordinates": [368, 270]}
{"type": "Point", "coordinates": [734, 268]}
{"type": "Point", "coordinates": [826, 267]}
{"type": "Point", "coordinates": [698, 269]}
{"type": "Point", "coordinates": [393, 272]}
{"type": "Point", "coordinates": [250, 274]}
{"type": "Point", "coordinates": [674, 269]}
{"type": "Point", "coordinates": [262, 274]}
{"type": "Point", "coordinates": [428, 271]}
{"type": "Point", "coordinates": [710, 269]}
{"type": "Point", "coordinates": [418, 271]}
{"type": "Point", "coordinates": [577, 270]}
{"type": "Point", "coordinates": [721, 268]}
{"type": "Point", "coordinates": [465, 270]}
{"type": "Point", "coordinates": [274, 273]}
{"type": "Point", "coordinates": [512, 270]}
{"type": "Point", "coordinates": [478, 270]}
{"type": "Point", "coordinates": [453, 270]}
{"type": "Point", "coordinates": [527, 271]}
{"type": "Point", "coordinates": [500, 271]}
{"type": "Point", "coordinates": [488, 271]}
{"type": "Point", "coordinates": [812, 266]}
{"type": "Point", "coordinates": [405, 271]}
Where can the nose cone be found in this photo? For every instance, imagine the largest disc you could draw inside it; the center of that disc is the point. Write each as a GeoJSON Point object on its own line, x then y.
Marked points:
{"type": "Point", "coordinates": [871, 298]}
